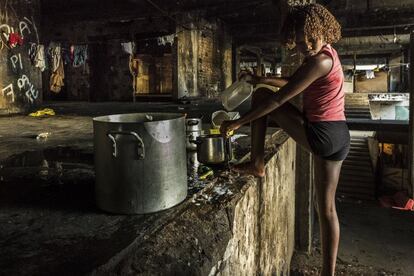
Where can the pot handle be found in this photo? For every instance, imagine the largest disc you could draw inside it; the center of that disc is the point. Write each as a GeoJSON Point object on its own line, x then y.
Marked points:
{"type": "Point", "coordinates": [191, 122]}
{"type": "Point", "coordinates": [141, 146]}
{"type": "Point", "coordinates": [192, 141]}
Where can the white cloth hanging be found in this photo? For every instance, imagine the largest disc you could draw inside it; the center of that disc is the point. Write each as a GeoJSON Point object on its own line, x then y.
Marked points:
{"type": "Point", "coordinates": [54, 51]}
{"type": "Point", "coordinates": [127, 47]}
{"type": "Point", "coordinates": [370, 74]}
{"type": "Point", "coordinates": [39, 59]}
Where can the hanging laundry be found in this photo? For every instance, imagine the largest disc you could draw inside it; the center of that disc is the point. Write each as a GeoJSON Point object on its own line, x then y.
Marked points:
{"type": "Point", "coordinates": [134, 70]}
{"type": "Point", "coordinates": [15, 39]}
{"type": "Point", "coordinates": [54, 53]}
{"type": "Point", "coordinates": [163, 40]}
{"type": "Point", "coordinates": [37, 56]}
{"type": "Point", "coordinates": [128, 47]}
{"type": "Point", "coordinates": [80, 55]}
{"type": "Point", "coordinates": [32, 51]}
{"type": "Point", "coordinates": [72, 52]}
{"type": "Point", "coordinates": [370, 74]}
{"type": "Point", "coordinates": [39, 60]}
{"type": "Point", "coordinates": [67, 56]}
{"type": "Point", "coordinates": [56, 79]}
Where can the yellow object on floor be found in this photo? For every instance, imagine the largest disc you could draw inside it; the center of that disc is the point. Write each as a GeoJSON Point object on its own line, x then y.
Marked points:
{"type": "Point", "coordinates": [43, 112]}
{"type": "Point", "coordinates": [205, 175]}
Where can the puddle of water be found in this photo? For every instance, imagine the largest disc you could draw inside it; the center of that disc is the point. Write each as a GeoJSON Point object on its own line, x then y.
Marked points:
{"type": "Point", "coordinates": [61, 177]}
{"type": "Point", "coordinates": [65, 177]}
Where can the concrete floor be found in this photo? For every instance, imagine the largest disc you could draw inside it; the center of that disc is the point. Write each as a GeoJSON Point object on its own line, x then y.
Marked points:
{"type": "Point", "coordinates": [374, 241]}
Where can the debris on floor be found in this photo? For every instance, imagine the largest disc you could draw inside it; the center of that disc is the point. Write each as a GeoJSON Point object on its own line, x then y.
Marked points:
{"type": "Point", "coordinates": [398, 200]}
{"type": "Point", "coordinates": [43, 135]}
{"type": "Point", "coordinates": [43, 112]}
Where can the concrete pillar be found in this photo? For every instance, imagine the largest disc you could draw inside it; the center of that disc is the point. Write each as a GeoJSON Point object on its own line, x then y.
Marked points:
{"type": "Point", "coordinates": [304, 212]}
{"type": "Point", "coordinates": [411, 123]}
{"type": "Point", "coordinates": [235, 62]}
{"type": "Point", "coordinates": [185, 73]}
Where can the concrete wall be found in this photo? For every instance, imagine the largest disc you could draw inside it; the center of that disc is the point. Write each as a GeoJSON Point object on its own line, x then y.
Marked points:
{"type": "Point", "coordinates": [356, 100]}
{"type": "Point", "coordinates": [248, 231]}
{"type": "Point", "coordinates": [263, 230]}
{"type": "Point", "coordinates": [20, 81]}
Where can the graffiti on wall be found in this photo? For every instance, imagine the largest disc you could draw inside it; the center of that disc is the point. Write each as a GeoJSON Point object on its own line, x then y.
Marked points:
{"type": "Point", "coordinates": [27, 88]}
{"type": "Point", "coordinates": [8, 93]}
{"type": "Point", "coordinates": [17, 86]}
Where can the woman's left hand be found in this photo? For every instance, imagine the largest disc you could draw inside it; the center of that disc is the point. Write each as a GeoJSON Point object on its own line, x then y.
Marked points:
{"type": "Point", "coordinates": [227, 126]}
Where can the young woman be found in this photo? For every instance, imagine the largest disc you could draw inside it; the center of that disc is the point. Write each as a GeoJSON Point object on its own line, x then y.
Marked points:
{"type": "Point", "coordinates": [321, 128]}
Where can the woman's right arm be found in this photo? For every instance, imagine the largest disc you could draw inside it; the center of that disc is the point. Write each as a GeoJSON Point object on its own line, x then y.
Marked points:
{"type": "Point", "coordinates": [273, 81]}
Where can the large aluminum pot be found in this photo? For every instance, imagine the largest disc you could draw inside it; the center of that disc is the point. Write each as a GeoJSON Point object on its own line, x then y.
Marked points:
{"type": "Point", "coordinates": [140, 162]}
{"type": "Point", "coordinates": [213, 149]}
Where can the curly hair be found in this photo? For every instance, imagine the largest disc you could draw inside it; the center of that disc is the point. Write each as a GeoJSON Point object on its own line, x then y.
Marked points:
{"type": "Point", "coordinates": [315, 21]}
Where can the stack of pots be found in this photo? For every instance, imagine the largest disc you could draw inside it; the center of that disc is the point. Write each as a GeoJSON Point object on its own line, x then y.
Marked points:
{"type": "Point", "coordinates": [193, 128]}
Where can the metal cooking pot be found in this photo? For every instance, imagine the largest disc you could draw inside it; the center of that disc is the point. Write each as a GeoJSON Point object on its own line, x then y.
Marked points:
{"type": "Point", "coordinates": [213, 149]}
{"type": "Point", "coordinates": [140, 162]}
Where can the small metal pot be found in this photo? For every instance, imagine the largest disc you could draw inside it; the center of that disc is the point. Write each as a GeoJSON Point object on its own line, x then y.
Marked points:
{"type": "Point", "coordinates": [213, 149]}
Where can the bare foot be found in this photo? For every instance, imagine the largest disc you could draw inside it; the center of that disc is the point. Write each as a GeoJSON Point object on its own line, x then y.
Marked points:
{"type": "Point", "coordinates": [249, 168]}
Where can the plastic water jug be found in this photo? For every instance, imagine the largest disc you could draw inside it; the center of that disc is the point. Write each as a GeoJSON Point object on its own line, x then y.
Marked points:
{"type": "Point", "coordinates": [220, 115]}
{"type": "Point", "coordinates": [235, 94]}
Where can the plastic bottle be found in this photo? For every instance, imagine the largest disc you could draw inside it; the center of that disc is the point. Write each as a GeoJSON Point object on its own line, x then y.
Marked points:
{"type": "Point", "coordinates": [235, 94]}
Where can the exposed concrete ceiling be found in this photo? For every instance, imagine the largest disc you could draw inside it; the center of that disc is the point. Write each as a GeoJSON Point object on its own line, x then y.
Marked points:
{"type": "Point", "coordinates": [254, 22]}
{"type": "Point", "coordinates": [247, 19]}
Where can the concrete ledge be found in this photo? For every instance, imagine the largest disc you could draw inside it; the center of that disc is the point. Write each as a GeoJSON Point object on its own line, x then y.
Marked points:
{"type": "Point", "coordinates": [249, 231]}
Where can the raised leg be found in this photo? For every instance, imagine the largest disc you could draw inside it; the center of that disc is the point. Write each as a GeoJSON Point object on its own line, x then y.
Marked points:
{"type": "Point", "coordinates": [287, 117]}
{"type": "Point", "coordinates": [258, 132]}
{"type": "Point", "coordinates": [326, 180]}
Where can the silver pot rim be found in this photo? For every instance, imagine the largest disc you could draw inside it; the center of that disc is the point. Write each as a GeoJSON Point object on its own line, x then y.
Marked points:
{"type": "Point", "coordinates": [167, 117]}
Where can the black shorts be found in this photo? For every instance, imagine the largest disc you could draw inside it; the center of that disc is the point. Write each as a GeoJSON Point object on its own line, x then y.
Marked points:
{"type": "Point", "coordinates": [329, 140]}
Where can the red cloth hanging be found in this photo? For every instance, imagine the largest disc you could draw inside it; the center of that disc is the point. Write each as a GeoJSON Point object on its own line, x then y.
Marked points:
{"type": "Point", "coordinates": [15, 39]}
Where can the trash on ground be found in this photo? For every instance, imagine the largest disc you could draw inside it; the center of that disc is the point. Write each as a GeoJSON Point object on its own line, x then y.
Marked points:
{"type": "Point", "coordinates": [43, 112]}
{"type": "Point", "coordinates": [43, 135]}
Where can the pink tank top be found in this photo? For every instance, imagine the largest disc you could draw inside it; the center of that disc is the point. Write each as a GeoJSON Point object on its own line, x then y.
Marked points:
{"type": "Point", "coordinates": [324, 99]}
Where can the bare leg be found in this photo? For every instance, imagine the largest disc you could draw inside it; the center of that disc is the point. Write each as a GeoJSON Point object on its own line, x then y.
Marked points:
{"type": "Point", "coordinates": [258, 132]}
{"type": "Point", "coordinates": [326, 180]}
{"type": "Point", "coordinates": [287, 116]}
{"type": "Point", "coordinates": [290, 119]}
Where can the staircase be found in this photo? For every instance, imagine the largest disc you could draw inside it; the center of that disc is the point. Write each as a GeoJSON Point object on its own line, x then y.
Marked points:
{"type": "Point", "coordinates": [357, 179]}
{"type": "Point", "coordinates": [357, 113]}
